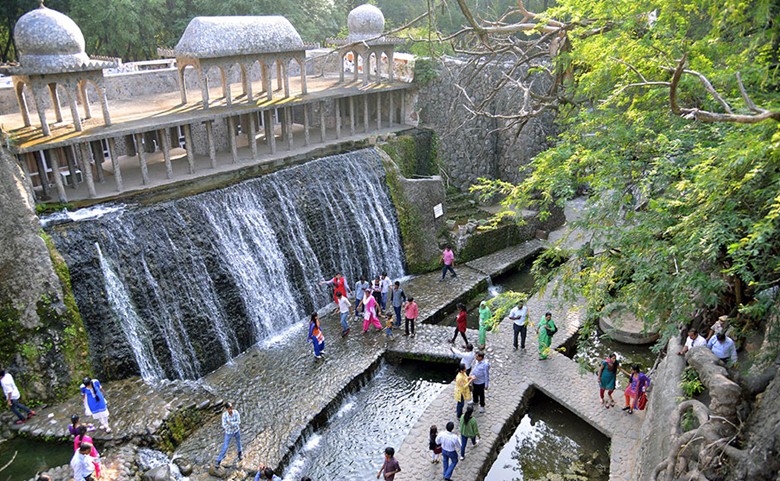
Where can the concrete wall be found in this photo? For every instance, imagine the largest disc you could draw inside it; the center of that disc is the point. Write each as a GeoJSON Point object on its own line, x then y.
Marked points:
{"type": "Point", "coordinates": [473, 148]}
{"type": "Point", "coordinates": [662, 401]}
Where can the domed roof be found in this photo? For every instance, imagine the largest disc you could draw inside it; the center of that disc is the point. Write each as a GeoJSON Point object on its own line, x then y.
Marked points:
{"type": "Point", "coordinates": [210, 37]}
{"type": "Point", "coordinates": [49, 41]}
{"type": "Point", "coordinates": [364, 22]}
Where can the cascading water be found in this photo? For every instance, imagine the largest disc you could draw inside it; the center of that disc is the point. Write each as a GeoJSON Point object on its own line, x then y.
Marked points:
{"type": "Point", "coordinates": [176, 289]}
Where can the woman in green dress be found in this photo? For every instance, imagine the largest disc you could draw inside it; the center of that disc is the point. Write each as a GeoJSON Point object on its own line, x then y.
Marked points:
{"type": "Point", "coordinates": [484, 323]}
{"type": "Point", "coordinates": [545, 329]}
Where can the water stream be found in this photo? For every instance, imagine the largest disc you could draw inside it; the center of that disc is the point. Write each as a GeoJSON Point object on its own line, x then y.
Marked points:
{"type": "Point", "coordinates": [32, 457]}
{"type": "Point", "coordinates": [176, 289]}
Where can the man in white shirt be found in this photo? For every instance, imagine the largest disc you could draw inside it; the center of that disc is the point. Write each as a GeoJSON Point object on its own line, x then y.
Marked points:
{"type": "Point", "coordinates": [386, 283]}
{"type": "Point", "coordinates": [83, 464]}
{"type": "Point", "coordinates": [344, 304]}
{"type": "Point", "coordinates": [519, 317]}
{"type": "Point", "coordinates": [450, 445]}
{"type": "Point", "coordinates": [466, 357]}
{"type": "Point", "coordinates": [11, 394]}
{"type": "Point", "coordinates": [694, 340]}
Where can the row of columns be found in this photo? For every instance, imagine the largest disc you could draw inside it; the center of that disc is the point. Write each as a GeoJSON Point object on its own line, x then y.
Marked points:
{"type": "Point", "coordinates": [282, 78]}
{"type": "Point", "coordinates": [366, 55]}
{"type": "Point", "coordinates": [75, 94]}
{"type": "Point", "coordinates": [82, 156]}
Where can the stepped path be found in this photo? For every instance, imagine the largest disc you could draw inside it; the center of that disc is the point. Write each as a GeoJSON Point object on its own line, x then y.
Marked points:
{"type": "Point", "coordinates": [280, 389]}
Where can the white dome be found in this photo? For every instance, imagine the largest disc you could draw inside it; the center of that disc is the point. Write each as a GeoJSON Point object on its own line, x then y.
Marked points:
{"type": "Point", "coordinates": [49, 41]}
{"type": "Point", "coordinates": [364, 22]}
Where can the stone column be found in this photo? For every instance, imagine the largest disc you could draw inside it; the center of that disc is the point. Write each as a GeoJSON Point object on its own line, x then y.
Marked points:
{"type": "Point", "coordinates": [288, 118]}
{"type": "Point", "coordinates": [97, 154]}
{"type": "Point", "coordinates": [365, 113]}
{"type": "Point", "coordinates": [212, 146]}
{"type": "Point", "coordinates": [41, 108]}
{"type": "Point", "coordinates": [43, 176]}
{"type": "Point", "coordinates": [269, 91]}
{"type": "Point", "coordinates": [141, 158]}
{"type": "Point", "coordinates": [306, 138]}
{"type": "Point", "coordinates": [246, 82]}
{"type": "Point", "coordinates": [231, 124]}
{"type": "Point", "coordinates": [352, 116]}
{"type": "Point", "coordinates": [341, 67]}
{"type": "Point", "coordinates": [264, 76]}
{"type": "Point", "coordinates": [55, 167]}
{"type": "Point", "coordinates": [304, 87]}
{"type": "Point", "coordinates": [69, 154]}
{"type": "Point", "coordinates": [226, 86]}
{"type": "Point", "coordinates": [55, 101]}
{"type": "Point", "coordinates": [251, 135]}
{"type": "Point", "coordinates": [204, 87]}
{"type": "Point", "coordinates": [270, 135]}
{"type": "Point", "coordinates": [190, 146]}
{"type": "Point", "coordinates": [74, 112]}
{"type": "Point", "coordinates": [283, 121]}
{"type": "Point", "coordinates": [115, 164]}
{"type": "Point", "coordinates": [337, 105]}
{"type": "Point", "coordinates": [323, 133]}
{"type": "Point", "coordinates": [379, 110]}
{"type": "Point", "coordinates": [86, 169]}
{"type": "Point", "coordinates": [278, 75]}
{"type": "Point", "coordinates": [355, 74]}
{"type": "Point", "coordinates": [85, 99]}
{"type": "Point", "coordinates": [182, 84]}
{"type": "Point", "coordinates": [286, 71]}
{"type": "Point", "coordinates": [21, 99]}
{"type": "Point", "coordinates": [166, 148]}
{"type": "Point", "coordinates": [104, 107]}
{"type": "Point", "coordinates": [392, 109]}
{"type": "Point", "coordinates": [367, 68]}
{"type": "Point", "coordinates": [403, 107]}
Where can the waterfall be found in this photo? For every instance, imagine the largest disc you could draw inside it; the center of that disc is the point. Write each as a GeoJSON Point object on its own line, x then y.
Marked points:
{"type": "Point", "coordinates": [176, 289]}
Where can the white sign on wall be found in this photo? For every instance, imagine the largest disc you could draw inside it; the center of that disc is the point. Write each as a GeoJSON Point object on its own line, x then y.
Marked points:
{"type": "Point", "coordinates": [438, 211]}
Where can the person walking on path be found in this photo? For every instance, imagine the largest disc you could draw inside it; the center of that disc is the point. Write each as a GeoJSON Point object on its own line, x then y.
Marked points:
{"type": "Point", "coordinates": [95, 401]}
{"type": "Point", "coordinates": [693, 340]}
{"type": "Point", "coordinates": [343, 307]}
{"type": "Point", "coordinates": [315, 336]}
{"type": "Point", "coordinates": [385, 284]}
{"type": "Point", "coordinates": [462, 389]}
{"type": "Point", "coordinates": [434, 446]}
{"type": "Point", "coordinates": [12, 396]}
{"type": "Point", "coordinates": [519, 317]}
{"type": "Point", "coordinates": [484, 323]}
{"type": "Point", "coordinates": [397, 299]}
{"type": "Point", "coordinates": [466, 357]}
{"type": "Point", "coordinates": [638, 383]}
{"type": "Point", "coordinates": [360, 291]}
{"type": "Point", "coordinates": [376, 291]}
{"type": "Point", "coordinates": [231, 423]}
{"type": "Point", "coordinates": [339, 286]}
{"type": "Point", "coordinates": [468, 430]}
{"type": "Point", "coordinates": [481, 372]}
{"type": "Point", "coordinates": [450, 444]}
{"type": "Point", "coordinates": [607, 376]}
{"type": "Point", "coordinates": [448, 259]}
{"type": "Point", "coordinates": [83, 464]}
{"type": "Point", "coordinates": [460, 327]}
{"type": "Point", "coordinates": [545, 329]}
{"type": "Point", "coordinates": [390, 467]}
{"type": "Point", "coordinates": [411, 313]}
{"type": "Point", "coordinates": [370, 316]}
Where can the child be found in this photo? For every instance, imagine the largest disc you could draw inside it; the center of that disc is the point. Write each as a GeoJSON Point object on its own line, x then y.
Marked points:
{"type": "Point", "coordinates": [390, 466]}
{"type": "Point", "coordinates": [433, 445]}
{"type": "Point", "coordinates": [389, 326]}
{"type": "Point", "coordinates": [74, 425]}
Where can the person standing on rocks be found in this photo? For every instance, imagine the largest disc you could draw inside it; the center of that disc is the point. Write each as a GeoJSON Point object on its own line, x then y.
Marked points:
{"type": "Point", "coordinates": [481, 372]}
{"type": "Point", "coordinates": [231, 423]}
{"type": "Point", "coordinates": [397, 299]}
{"type": "Point", "coordinates": [370, 316]}
{"type": "Point", "coordinates": [339, 286]}
{"type": "Point", "coordinates": [462, 389]}
{"type": "Point", "coordinates": [360, 291]}
{"type": "Point", "coordinates": [12, 396]}
{"type": "Point", "coordinates": [450, 444]}
{"type": "Point", "coordinates": [411, 313]}
{"type": "Point", "coordinates": [83, 464]}
{"type": "Point", "coordinates": [315, 336]}
{"type": "Point", "coordinates": [519, 317]}
{"type": "Point", "coordinates": [448, 259]}
{"type": "Point", "coordinates": [460, 321]}
{"type": "Point", "coordinates": [545, 329]}
{"type": "Point", "coordinates": [343, 307]}
{"type": "Point", "coordinates": [81, 438]}
{"type": "Point", "coordinates": [693, 340]}
{"type": "Point", "coordinates": [484, 323]}
{"type": "Point", "coordinates": [95, 401]}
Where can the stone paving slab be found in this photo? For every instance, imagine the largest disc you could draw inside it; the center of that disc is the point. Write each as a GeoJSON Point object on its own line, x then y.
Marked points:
{"type": "Point", "coordinates": [506, 259]}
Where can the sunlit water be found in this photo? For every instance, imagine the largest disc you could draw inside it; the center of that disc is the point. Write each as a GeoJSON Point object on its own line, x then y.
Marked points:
{"type": "Point", "coordinates": [601, 346]}
{"type": "Point", "coordinates": [32, 457]}
{"type": "Point", "coordinates": [551, 439]}
{"type": "Point", "coordinates": [380, 414]}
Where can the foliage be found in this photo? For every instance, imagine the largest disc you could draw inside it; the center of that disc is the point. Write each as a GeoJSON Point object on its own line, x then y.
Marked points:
{"type": "Point", "coordinates": [690, 383]}
{"type": "Point", "coordinates": [683, 216]}
{"type": "Point", "coordinates": [47, 208]}
{"type": "Point", "coordinates": [424, 71]}
{"type": "Point", "coordinates": [501, 305]}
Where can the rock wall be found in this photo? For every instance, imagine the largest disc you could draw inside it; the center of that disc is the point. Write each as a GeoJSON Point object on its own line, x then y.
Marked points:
{"type": "Point", "coordinates": [662, 401]}
{"type": "Point", "coordinates": [43, 343]}
{"type": "Point", "coordinates": [480, 147]}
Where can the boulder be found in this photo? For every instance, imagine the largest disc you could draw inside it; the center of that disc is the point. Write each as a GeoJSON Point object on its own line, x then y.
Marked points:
{"type": "Point", "coordinates": [160, 473]}
{"type": "Point", "coordinates": [184, 465]}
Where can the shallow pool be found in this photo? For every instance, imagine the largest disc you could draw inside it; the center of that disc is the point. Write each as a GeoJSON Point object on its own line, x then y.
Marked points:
{"type": "Point", "coordinates": [551, 439]}
{"type": "Point", "coordinates": [600, 346]}
{"type": "Point", "coordinates": [32, 457]}
{"type": "Point", "coordinates": [380, 414]}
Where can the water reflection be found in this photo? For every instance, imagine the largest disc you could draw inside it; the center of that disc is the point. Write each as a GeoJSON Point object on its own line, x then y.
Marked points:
{"type": "Point", "coordinates": [599, 346]}
{"type": "Point", "coordinates": [380, 414]}
{"type": "Point", "coordinates": [552, 440]}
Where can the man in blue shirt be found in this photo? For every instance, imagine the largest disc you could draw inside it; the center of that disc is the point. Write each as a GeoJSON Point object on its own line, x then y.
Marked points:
{"type": "Point", "coordinates": [481, 372]}
{"type": "Point", "coordinates": [724, 348]}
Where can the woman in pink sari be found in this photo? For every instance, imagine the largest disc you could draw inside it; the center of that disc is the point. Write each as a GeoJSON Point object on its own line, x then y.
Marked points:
{"type": "Point", "coordinates": [369, 313]}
